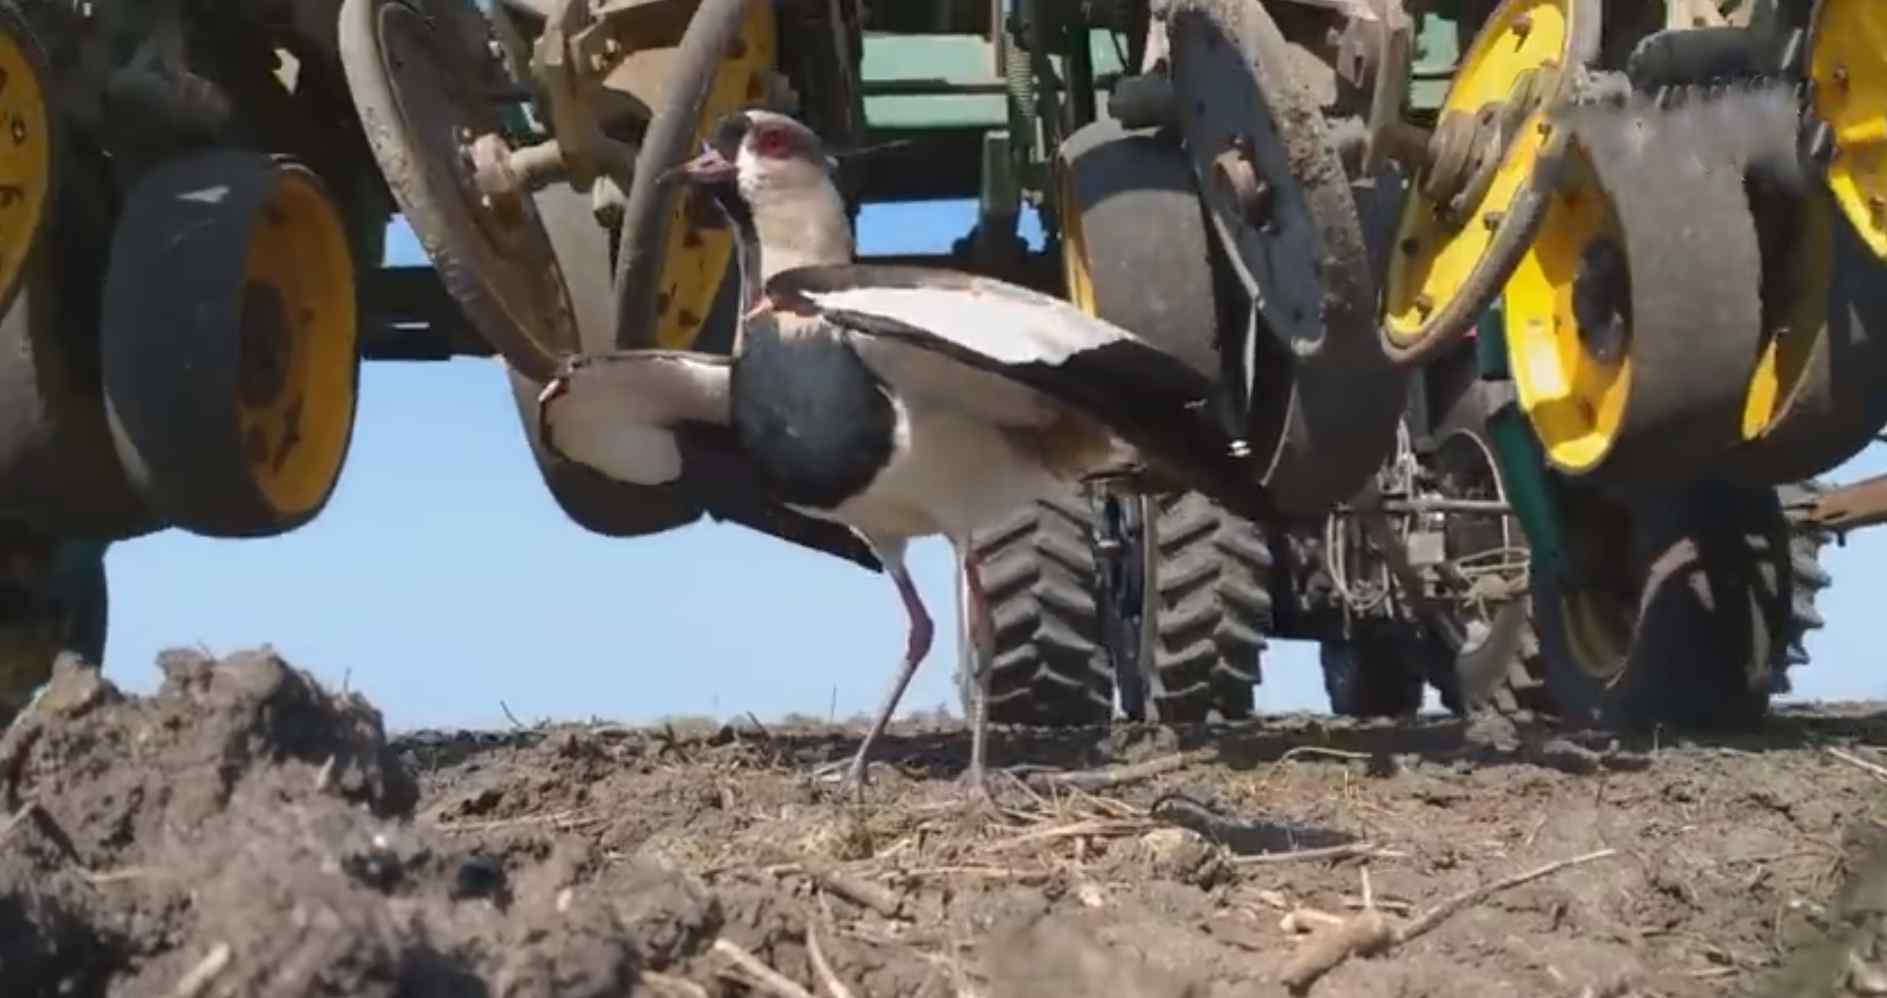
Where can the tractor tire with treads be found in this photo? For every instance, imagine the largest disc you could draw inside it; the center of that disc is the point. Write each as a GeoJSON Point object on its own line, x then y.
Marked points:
{"type": "Point", "coordinates": [1210, 609]}
{"type": "Point", "coordinates": [1370, 676]}
{"type": "Point", "coordinates": [1809, 578]}
{"type": "Point", "coordinates": [1049, 665]}
{"type": "Point", "coordinates": [1713, 565]}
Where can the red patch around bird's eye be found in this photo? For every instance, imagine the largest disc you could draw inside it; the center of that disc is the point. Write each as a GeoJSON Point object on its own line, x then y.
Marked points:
{"type": "Point", "coordinates": [772, 142]}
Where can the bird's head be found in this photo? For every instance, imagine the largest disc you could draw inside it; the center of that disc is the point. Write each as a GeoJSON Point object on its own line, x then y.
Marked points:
{"type": "Point", "coordinates": [761, 158]}
{"type": "Point", "coordinates": [773, 178]}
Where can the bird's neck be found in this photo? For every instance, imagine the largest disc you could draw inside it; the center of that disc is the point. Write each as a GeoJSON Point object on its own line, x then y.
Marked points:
{"type": "Point", "coordinates": [776, 234]}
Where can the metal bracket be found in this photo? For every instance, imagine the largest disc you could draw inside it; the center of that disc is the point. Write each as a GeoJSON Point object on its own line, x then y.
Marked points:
{"type": "Point", "coordinates": [1375, 51]}
{"type": "Point", "coordinates": [1850, 507]}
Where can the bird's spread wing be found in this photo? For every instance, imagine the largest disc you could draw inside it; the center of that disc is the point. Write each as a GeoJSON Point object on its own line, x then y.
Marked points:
{"type": "Point", "coordinates": [616, 412]}
{"type": "Point", "coordinates": [659, 417]}
{"type": "Point", "coordinates": [1146, 395]}
{"type": "Point", "coordinates": [1003, 322]}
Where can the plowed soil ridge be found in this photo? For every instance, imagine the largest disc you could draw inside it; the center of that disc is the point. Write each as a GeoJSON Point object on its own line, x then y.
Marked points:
{"type": "Point", "coordinates": [245, 831]}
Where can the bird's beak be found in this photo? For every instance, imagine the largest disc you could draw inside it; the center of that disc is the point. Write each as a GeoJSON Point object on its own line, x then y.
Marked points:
{"type": "Point", "coordinates": [708, 168]}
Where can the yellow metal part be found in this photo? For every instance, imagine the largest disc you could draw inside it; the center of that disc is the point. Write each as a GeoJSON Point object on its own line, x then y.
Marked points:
{"type": "Point", "coordinates": [25, 157]}
{"type": "Point", "coordinates": [1785, 355]}
{"type": "Point", "coordinates": [1598, 632]}
{"type": "Point", "coordinates": [1848, 64]}
{"type": "Point", "coordinates": [1438, 254]}
{"type": "Point", "coordinates": [1076, 274]}
{"type": "Point", "coordinates": [298, 261]}
{"type": "Point", "coordinates": [1574, 399]}
{"type": "Point", "coordinates": [696, 257]}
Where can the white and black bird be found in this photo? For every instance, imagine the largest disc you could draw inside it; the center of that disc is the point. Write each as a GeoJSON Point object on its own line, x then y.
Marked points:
{"type": "Point", "coordinates": [900, 401]}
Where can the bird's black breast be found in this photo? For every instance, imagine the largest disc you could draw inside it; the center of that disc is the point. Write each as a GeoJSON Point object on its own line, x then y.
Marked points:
{"type": "Point", "coordinates": [812, 415]}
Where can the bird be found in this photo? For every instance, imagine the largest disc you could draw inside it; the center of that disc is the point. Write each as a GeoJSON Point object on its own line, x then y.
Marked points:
{"type": "Point", "coordinates": [901, 401]}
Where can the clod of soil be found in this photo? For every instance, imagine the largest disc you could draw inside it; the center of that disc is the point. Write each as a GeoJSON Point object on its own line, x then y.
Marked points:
{"type": "Point", "coordinates": [246, 832]}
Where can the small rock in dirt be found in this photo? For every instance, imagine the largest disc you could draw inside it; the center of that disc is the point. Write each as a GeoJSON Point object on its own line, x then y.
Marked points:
{"type": "Point", "coordinates": [1054, 958]}
{"type": "Point", "coordinates": [378, 865]}
{"type": "Point", "coordinates": [478, 877]}
{"type": "Point", "coordinates": [1440, 794]}
{"type": "Point", "coordinates": [1491, 729]}
{"type": "Point", "coordinates": [75, 687]}
{"type": "Point", "coordinates": [1181, 855]}
{"type": "Point", "coordinates": [671, 913]}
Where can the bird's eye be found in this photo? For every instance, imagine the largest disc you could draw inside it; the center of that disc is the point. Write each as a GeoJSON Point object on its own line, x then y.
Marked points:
{"type": "Point", "coordinates": [771, 142]}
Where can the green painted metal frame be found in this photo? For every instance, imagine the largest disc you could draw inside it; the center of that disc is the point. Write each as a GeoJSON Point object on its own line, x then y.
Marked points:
{"type": "Point", "coordinates": [1533, 491]}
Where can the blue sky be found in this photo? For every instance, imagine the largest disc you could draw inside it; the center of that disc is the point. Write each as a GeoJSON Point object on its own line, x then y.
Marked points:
{"type": "Point", "coordinates": [442, 579]}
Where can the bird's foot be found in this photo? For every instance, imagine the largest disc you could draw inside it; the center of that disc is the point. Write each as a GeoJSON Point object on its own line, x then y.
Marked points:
{"type": "Point", "coordinates": [974, 783]}
{"type": "Point", "coordinates": [851, 775]}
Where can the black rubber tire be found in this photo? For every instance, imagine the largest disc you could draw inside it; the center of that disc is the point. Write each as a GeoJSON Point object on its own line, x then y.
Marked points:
{"type": "Point", "coordinates": [513, 295]}
{"type": "Point", "coordinates": [1713, 569]}
{"type": "Point", "coordinates": [1210, 608]}
{"type": "Point", "coordinates": [59, 470]}
{"type": "Point", "coordinates": [1370, 676]}
{"type": "Point", "coordinates": [1049, 667]}
{"type": "Point", "coordinates": [589, 499]}
{"type": "Point", "coordinates": [170, 345]}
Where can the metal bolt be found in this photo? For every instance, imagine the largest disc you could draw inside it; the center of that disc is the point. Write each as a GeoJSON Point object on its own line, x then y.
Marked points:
{"type": "Point", "coordinates": [1840, 77]}
{"type": "Point", "coordinates": [1493, 219]}
{"type": "Point", "coordinates": [1411, 246]}
{"type": "Point", "coordinates": [1424, 304]}
{"type": "Point", "coordinates": [1523, 26]}
{"type": "Point", "coordinates": [1877, 205]}
{"type": "Point", "coordinates": [1235, 175]}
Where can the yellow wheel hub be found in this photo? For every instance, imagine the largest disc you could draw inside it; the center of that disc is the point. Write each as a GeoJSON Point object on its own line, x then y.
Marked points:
{"type": "Point", "coordinates": [296, 382]}
{"type": "Point", "coordinates": [1446, 253]}
{"type": "Point", "coordinates": [1573, 393]}
{"type": "Point", "coordinates": [26, 149]}
{"type": "Point", "coordinates": [1848, 64]}
{"type": "Point", "coordinates": [1788, 349]}
{"type": "Point", "coordinates": [697, 256]}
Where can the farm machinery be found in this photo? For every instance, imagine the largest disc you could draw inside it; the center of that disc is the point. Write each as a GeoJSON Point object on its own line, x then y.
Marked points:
{"type": "Point", "coordinates": [1542, 315]}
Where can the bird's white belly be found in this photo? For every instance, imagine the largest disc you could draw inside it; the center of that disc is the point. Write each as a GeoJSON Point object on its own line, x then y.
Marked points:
{"type": "Point", "coordinates": [949, 473]}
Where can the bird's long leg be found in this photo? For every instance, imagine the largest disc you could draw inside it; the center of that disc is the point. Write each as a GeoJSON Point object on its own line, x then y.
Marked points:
{"type": "Point", "coordinates": [983, 649]}
{"type": "Point", "coordinates": [916, 647]}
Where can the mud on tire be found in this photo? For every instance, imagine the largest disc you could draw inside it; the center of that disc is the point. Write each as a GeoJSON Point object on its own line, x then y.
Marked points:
{"type": "Point", "coordinates": [1050, 666]}
{"type": "Point", "coordinates": [1211, 606]}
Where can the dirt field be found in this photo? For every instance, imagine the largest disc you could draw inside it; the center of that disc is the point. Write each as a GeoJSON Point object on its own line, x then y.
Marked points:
{"type": "Point", "coordinates": [244, 832]}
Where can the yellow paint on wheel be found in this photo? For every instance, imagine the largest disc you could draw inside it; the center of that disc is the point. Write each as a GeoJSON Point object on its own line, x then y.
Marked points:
{"type": "Point", "coordinates": [1436, 255]}
{"type": "Point", "coordinates": [696, 257]}
{"type": "Point", "coordinates": [295, 393]}
{"type": "Point", "coordinates": [25, 157]}
{"type": "Point", "coordinates": [1785, 354]}
{"type": "Point", "coordinates": [1849, 67]}
{"type": "Point", "coordinates": [1598, 633]}
{"type": "Point", "coordinates": [1574, 399]}
{"type": "Point", "coordinates": [1076, 274]}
